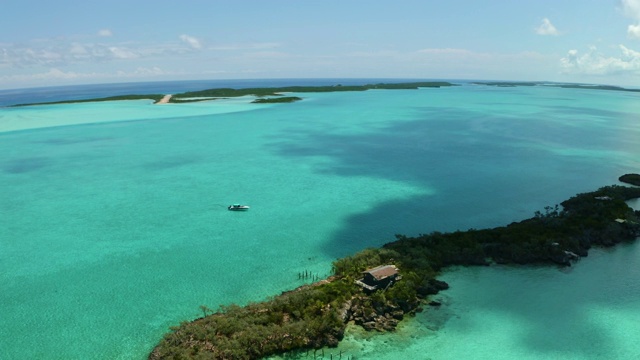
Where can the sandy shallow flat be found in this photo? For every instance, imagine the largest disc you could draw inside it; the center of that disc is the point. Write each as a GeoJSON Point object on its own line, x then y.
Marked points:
{"type": "Point", "coordinates": [43, 116]}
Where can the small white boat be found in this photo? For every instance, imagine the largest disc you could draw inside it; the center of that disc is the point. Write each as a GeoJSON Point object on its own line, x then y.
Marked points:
{"type": "Point", "coordinates": [238, 207]}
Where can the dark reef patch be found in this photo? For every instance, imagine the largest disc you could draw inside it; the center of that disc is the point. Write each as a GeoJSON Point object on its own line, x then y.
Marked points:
{"type": "Point", "coordinates": [26, 165]}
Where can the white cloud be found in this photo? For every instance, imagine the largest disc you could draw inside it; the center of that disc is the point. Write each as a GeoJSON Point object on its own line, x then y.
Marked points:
{"type": "Point", "coordinates": [193, 42]}
{"type": "Point", "coordinates": [631, 8]}
{"type": "Point", "coordinates": [630, 54]}
{"type": "Point", "coordinates": [634, 31]}
{"type": "Point", "coordinates": [56, 53]}
{"type": "Point", "coordinates": [122, 53]}
{"type": "Point", "coordinates": [52, 74]}
{"type": "Point", "coordinates": [61, 76]}
{"type": "Point", "coordinates": [105, 33]}
{"type": "Point", "coordinates": [60, 52]}
{"type": "Point", "coordinates": [596, 63]}
{"type": "Point", "coordinates": [546, 28]}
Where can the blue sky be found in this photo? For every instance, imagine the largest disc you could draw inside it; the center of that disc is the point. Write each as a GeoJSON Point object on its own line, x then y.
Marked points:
{"type": "Point", "coordinates": [44, 43]}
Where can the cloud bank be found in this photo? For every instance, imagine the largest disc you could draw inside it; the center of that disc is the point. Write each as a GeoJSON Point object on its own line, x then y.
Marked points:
{"type": "Point", "coordinates": [595, 63]}
{"type": "Point", "coordinates": [71, 76]}
{"type": "Point", "coordinates": [59, 52]}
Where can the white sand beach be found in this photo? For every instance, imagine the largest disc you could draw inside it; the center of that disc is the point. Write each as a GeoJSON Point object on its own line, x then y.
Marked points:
{"type": "Point", "coordinates": [165, 99]}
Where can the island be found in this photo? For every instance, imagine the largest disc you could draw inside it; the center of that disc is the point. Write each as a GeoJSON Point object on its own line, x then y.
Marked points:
{"type": "Point", "coordinates": [283, 99]}
{"type": "Point", "coordinates": [155, 97]}
{"type": "Point", "coordinates": [276, 94]}
{"type": "Point", "coordinates": [265, 95]}
{"type": "Point", "coordinates": [559, 85]}
{"type": "Point", "coordinates": [632, 179]}
{"type": "Point", "coordinates": [378, 287]}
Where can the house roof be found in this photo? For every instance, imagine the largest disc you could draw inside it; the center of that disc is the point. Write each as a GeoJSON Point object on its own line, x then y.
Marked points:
{"type": "Point", "coordinates": [382, 271]}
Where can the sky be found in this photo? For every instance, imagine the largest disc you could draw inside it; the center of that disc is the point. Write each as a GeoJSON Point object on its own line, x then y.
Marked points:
{"type": "Point", "coordinates": [63, 42]}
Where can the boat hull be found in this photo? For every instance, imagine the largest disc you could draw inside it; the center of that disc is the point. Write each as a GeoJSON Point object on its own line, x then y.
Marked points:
{"type": "Point", "coordinates": [238, 207]}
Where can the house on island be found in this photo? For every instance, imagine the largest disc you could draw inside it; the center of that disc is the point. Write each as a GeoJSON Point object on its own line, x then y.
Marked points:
{"type": "Point", "coordinates": [380, 277]}
{"type": "Point", "coordinates": [605, 198]}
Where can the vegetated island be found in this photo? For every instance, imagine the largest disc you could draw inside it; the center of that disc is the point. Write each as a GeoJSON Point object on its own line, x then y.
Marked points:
{"type": "Point", "coordinates": [377, 288]}
{"type": "Point", "coordinates": [566, 86]}
{"type": "Point", "coordinates": [632, 179]}
{"type": "Point", "coordinates": [283, 99]}
{"type": "Point", "coordinates": [266, 94]}
{"type": "Point", "coordinates": [155, 97]}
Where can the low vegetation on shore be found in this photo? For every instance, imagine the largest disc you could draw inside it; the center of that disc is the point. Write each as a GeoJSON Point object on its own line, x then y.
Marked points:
{"type": "Point", "coordinates": [155, 97]}
{"type": "Point", "coordinates": [275, 92]}
{"type": "Point", "coordinates": [315, 316]}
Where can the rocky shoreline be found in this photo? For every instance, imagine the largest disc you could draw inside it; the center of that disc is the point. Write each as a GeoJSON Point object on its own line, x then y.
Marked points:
{"type": "Point", "coordinates": [386, 316]}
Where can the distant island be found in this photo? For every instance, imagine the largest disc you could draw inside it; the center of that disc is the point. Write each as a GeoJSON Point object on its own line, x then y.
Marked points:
{"type": "Point", "coordinates": [265, 95]}
{"type": "Point", "coordinates": [378, 287]}
{"type": "Point", "coordinates": [567, 86]}
{"type": "Point", "coordinates": [283, 99]}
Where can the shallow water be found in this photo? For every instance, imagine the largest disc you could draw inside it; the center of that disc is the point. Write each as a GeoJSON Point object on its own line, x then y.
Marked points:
{"type": "Point", "coordinates": [589, 311]}
{"type": "Point", "coordinates": [110, 232]}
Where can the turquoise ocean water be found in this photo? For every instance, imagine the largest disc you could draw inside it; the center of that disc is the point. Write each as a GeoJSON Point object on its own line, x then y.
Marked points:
{"type": "Point", "coordinates": [113, 222]}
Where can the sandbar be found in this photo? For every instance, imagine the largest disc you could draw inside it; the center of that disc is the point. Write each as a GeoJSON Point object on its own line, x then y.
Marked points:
{"type": "Point", "coordinates": [45, 116]}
